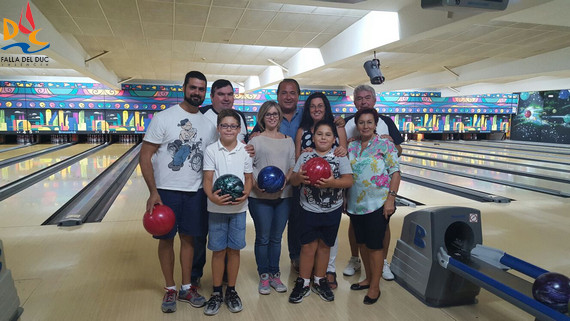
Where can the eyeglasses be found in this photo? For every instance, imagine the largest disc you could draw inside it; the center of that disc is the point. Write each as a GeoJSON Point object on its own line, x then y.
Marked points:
{"type": "Point", "coordinates": [274, 115]}
{"type": "Point", "coordinates": [226, 126]}
{"type": "Point", "coordinates": [317, 106]}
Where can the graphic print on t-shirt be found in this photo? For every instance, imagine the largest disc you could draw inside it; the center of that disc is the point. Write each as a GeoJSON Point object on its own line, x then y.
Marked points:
{"type": "Point", "coordinates": [325, 197]}
{"type": "Point", "coordinates": [186, 148]}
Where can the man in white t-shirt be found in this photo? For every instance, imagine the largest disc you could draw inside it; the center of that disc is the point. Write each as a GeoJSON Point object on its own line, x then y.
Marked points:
{"type": "Point", "coordinates": [171, 163]}
{"type": "Point", "coordinates": [222, 96]}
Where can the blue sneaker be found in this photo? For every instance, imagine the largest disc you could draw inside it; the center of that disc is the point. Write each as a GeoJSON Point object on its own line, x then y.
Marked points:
{"type": "Point", "coordinates": [169, 301]}
{"type": "Point", "coordinates": [192, 296]}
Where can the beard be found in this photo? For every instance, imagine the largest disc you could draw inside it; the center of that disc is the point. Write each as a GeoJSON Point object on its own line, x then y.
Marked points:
{"type": "Point", "coordinates": [194, 100]}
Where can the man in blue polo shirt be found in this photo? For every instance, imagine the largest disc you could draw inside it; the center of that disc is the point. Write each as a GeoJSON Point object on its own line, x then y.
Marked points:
{"type": "Point", "coordinates": [288, 92]}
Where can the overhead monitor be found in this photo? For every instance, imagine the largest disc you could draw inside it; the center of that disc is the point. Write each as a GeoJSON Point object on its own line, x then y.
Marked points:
{"type": "Point", "coordinates": [453, 5]}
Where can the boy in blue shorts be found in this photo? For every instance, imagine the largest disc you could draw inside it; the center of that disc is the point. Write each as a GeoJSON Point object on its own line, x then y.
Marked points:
{"type": "Point", "coordinates": [321, 210]}
{"type": "Point", "coordinates": [226, 232]}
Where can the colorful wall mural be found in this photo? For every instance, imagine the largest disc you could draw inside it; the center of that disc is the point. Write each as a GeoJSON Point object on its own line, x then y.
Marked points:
{"type": "Point", "coordinates": [543, 116]}
{"type": "Point", "coordinates": [93, 108]}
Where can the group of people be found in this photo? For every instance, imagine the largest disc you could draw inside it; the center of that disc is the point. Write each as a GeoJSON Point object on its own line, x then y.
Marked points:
{"type": "Point", "coordinates": [187, 147]}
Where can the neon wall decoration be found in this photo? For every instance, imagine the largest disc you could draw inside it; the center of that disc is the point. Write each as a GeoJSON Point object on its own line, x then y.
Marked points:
{"type": "Point", "coordinates": [91, 107]}
{"type": "Point", "coordinates": [543, 117]}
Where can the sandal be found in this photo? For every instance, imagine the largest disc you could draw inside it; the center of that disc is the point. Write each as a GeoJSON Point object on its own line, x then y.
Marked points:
{"type": "Point", "coordinates": [332, 284]}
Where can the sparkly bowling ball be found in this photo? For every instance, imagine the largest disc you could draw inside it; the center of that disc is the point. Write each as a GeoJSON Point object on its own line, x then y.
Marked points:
{"type": "Point", "coordinates": [271, 179]}
{"type": "Point", "coordinates": [160, 222]}
{"type": "Point", "coordinates": [317, 168]}
{"type": "Point", "coordinates": [527, 113]}
{"type": "Point", "coordinates": [552, 289]}
{"type": "Point", "coordinates": [229, 184]}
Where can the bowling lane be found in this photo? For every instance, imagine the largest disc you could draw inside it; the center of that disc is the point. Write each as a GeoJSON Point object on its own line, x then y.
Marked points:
{"type": "Point", "coordinates": [431, 197]}
{"type": "Point", "coordinates": [528, 152]}
{"type": "Point", "coordinates": [488, 187]}
{"type": "Point", "coordinates": [490, 174]}
{"type": "Point", "coordinates": [25, 150]}
{"type": "Point", "coordinates": [475, 157]}
{"type": "Point", "coordinates": [563, 150]}
{"type": "Point", "coordinates": [130, 204]}
{"type": "Point", "coordinates": [32, 206]}
{"type": "Point", "coordinates": [3, 148]}
{"type": "Point", "coordinates": [555, 173]}
{"type": "Point", "coordinates": [32, 165]}
{"type": "Point", "coordinates": [492, 151]}
{"type": "Point", "coordinates": [509, 142]}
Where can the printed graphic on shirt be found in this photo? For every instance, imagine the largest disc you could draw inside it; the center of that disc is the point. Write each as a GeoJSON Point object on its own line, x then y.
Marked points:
{"type": "Point", "coordinates": [324, 197]}
{"type": "Point", "coordinates": [186, 148]}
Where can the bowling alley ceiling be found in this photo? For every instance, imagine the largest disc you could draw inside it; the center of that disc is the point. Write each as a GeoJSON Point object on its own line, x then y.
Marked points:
{"type": "Point", "coordinates": [323, 44]}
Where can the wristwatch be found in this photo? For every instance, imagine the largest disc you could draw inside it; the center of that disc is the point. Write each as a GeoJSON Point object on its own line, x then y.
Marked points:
{"type": "Point", "coordinates": [393, 193]}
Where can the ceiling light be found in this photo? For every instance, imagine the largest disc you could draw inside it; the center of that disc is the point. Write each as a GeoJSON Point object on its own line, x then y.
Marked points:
{"type": "Point", "coordinates": [451, 71]}
{"type": "Point", "coordinates": [124, 80]}
{"type": "Point", "coordinates": [98, 56]}
{"type": "Point", "coordinates": [278, 64]}
{"type": "Point", "coordinates": [454, 89]}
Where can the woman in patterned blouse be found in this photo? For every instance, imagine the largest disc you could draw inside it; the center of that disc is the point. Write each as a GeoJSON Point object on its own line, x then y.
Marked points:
{"type": "Point", "coordinates": [371, 199]}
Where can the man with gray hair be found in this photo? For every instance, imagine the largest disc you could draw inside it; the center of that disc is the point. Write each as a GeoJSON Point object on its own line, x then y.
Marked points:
{"type": "Point", "coordinates": [365, 97]}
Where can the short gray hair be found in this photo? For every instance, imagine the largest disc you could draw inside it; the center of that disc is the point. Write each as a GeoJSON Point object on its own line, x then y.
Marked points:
{"type": "Point", "coordinates": [364, 88]}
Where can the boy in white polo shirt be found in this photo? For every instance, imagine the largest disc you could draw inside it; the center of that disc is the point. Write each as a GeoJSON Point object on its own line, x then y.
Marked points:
{"type": "Point", "coordinates": [226, 232]}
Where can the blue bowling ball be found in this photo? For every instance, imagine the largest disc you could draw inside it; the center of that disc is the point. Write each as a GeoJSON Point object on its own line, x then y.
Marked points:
{"type": "Point", "coordinates": [552, 289]}
{"type": "Point", "coordinates": [270, 179]}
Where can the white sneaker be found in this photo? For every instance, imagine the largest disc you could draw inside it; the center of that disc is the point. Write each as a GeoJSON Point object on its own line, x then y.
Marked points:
{"type": "Point", "coordinates": [352, 267]}
{"type": "Point", "coordinates": [386, 272]}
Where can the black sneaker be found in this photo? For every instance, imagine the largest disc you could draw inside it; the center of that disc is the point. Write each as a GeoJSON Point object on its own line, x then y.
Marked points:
{"type": "Point", "coordinates": [299, 291]}
{"type": "Point", "coordinates": [233, 301]}
{"type": "Point", "coordinates": [323, 289]}
{"type": "Point", "coordinates": [213, 305]}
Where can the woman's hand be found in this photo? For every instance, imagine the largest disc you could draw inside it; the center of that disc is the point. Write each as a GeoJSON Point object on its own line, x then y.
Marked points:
{"type": "Point", "coordinates": [307, 150]}
{"type": "Point", "coordinates": [340, 151]}
{"type": "Point", "coordinates": [389, 206]}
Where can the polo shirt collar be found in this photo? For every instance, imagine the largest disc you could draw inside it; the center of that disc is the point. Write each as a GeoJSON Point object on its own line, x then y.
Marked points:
{"type": "Point", "coordinates": [238, 147]}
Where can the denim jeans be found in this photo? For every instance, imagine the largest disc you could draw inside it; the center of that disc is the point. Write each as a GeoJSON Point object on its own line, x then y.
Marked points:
{"type": "Point", "coordinates": [199, 259]}
{"type": "Point", "coordinates": [269, 218]}
{"type": "Point", "coordinates": [294, 226]}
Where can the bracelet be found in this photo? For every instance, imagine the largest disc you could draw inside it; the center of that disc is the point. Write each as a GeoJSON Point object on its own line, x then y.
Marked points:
{"type": "Point", "coordinates": [393, 193]}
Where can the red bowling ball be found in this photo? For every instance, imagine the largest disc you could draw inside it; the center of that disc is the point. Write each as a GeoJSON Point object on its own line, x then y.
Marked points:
{"type": "Point", "coordinates": [160, 222]}
{"type": "Point", "coordinates": [317, 168]}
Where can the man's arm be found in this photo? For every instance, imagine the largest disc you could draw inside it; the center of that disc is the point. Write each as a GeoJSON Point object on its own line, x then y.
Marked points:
{"type": "Point", "coordinates": [145, 162]}
{"type": "Point", "coordinates": [243, 136]}
{"type": "Point", "coordinates": [394, 133]}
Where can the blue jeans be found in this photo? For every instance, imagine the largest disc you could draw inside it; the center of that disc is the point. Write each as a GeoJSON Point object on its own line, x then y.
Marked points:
{"type": "Point", "coordinates": [269, 218]}
{"type": "Point", "coordinates": [199, 259]}
{"type": "Point", "coordinates": [294, 226]}
{"type": "Point", "coordinates": [181, 155]}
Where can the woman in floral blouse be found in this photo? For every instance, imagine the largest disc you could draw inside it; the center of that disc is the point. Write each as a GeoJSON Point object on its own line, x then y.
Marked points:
{"type": "Point", "coordinates": [371, 198]}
